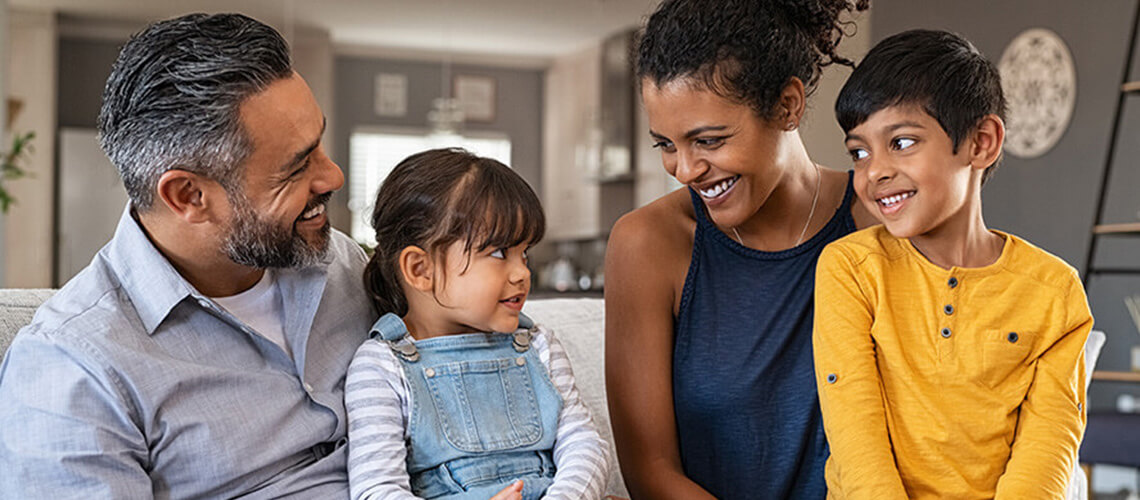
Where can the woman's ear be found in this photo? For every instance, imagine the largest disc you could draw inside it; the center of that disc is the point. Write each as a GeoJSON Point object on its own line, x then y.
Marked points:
{"type": "Point", "coordinates": [416, 268]}
{"type": "Point", "coordinates": [189, 196]}
{"type": "Point", "coordinates": [793, 103]}
{"type": "Point", "coordinates": [986, 141]}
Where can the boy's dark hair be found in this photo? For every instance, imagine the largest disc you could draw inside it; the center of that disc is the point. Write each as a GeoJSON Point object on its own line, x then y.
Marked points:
{"type": "Point", "coordinates": [939, 71]}
{"type": "Point", "coordinates": [441, 196]}
{"type": "Point", "coordinates": [743, 50]}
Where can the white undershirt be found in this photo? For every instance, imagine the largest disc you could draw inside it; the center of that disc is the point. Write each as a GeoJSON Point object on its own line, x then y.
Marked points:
{"type": "Point", "coordinates": [260, 308]}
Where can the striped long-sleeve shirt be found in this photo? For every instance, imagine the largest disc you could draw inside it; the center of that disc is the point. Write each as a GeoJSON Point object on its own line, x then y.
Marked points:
{"type": "Point", "coordinates": [379, 403]}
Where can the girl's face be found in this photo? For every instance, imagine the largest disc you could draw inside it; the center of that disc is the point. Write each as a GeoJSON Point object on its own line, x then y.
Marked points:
{"type": "Point", "coordinates": [716, 146]}
{"type": "Point", "coordinates": [485, 293]}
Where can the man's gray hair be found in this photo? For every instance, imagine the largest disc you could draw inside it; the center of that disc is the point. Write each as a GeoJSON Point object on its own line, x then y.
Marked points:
{"type": "Point", "coordinates": [173, 98]}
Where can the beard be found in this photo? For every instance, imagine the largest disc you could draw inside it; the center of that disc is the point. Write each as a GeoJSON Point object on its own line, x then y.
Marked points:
{"type": "Point", "coordinates": [261, 243]}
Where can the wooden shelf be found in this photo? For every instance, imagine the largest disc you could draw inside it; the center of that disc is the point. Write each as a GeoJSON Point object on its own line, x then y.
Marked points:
{"type": "Point", "coordinates": [1130, 87]}
{"type": "Point", "coordinates": [1127, 228]}
{"type": "Point", "coordinates": [1116, 376]}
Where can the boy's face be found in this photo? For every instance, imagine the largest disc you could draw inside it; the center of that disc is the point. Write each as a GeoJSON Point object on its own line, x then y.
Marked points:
{"type": "Point", "coordinates": [908, 175]}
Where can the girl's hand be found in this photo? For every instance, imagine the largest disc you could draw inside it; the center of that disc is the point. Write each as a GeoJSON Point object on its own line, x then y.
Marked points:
{"type": "Point", "coordinates": [512, 492]}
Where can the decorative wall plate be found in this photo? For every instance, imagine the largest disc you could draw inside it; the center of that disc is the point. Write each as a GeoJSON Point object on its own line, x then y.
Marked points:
{"type": "Point", "coordinates": [1040, 84]}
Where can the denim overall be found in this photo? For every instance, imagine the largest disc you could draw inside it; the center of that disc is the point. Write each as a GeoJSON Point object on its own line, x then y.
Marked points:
{"type": "Point", "coordinates": [484, 412]}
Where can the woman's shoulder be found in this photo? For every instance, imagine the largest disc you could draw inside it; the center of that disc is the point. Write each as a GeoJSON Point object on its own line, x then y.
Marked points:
{"type": "Point", "coordinates": [664, 225]}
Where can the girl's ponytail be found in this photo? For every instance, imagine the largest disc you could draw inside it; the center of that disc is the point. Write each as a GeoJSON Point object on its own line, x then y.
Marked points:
{"type": "Point", "coordinates": [384, 287]}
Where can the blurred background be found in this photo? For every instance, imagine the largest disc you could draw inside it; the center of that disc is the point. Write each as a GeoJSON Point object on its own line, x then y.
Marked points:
{"type": "Point", "coordinates": [545, 86]}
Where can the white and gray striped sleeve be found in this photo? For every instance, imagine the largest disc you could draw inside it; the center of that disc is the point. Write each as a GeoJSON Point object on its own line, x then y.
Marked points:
{"type": "Point", "coordinates": [376, 397]}
{"type": "Point", "coordinates": [581, 456]}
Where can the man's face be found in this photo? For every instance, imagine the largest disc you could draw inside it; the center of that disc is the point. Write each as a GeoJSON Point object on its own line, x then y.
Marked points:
{"type": "Point", "coordinates": [278, 216]}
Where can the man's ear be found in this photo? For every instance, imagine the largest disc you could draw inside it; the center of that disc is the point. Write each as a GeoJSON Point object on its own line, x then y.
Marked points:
{"type": "Point", "coordinates": [190, 196]}
{"type": "Point", "coordinates": [986, 142]}
{"type": "Point", "coordinates": [416, 267]}
{"type": "Point", "coordinates": [793, 103]}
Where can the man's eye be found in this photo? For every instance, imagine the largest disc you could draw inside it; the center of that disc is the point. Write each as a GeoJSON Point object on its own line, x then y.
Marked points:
{"type": "Point", "coordinates": [500, 253]}
{"type": "Point", "coordinates": [903, 142]}
{"type": "Point", "coordinates": [665, 145]}
{"type": "Point", "coordinates": [858, 154]}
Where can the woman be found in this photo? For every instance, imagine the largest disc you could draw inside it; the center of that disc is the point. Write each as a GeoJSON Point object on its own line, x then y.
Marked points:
{"type": "Point", "coordinates": [709, 289]}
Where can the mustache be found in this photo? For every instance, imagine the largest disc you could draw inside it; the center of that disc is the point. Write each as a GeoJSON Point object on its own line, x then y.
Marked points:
{"type": "Point", "coordinates": [319, 200]}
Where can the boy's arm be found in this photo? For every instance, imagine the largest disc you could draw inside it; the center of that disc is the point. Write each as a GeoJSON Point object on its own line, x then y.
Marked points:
{"type": "Point", "coordinates": [581, 456]}
{"type": "Point", "coordinates": [847, 376]}
{"type": "Point", "coordinates": [1052, 417]}
{"type": "Point", "coordinates": [377, 466]}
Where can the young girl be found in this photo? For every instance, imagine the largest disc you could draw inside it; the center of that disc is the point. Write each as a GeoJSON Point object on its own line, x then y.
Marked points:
{"type": "Point", "coordinates": [457, 394]}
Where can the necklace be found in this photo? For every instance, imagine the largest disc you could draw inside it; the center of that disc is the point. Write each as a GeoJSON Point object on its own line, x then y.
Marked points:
{"type": "Point", "coordinates": [811, 213]}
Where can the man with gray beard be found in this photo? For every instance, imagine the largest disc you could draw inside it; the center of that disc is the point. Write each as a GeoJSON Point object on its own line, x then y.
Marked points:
{"type": "Point", "coordinates": [202, 353]}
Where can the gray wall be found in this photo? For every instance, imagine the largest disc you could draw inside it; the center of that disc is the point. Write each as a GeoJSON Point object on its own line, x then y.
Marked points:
{"type": "Point", "coordinates": [1052, 200]}
{"type": "Point", "coordinates": [518, 107]}
{"type": "Point", "coordinates": [84, 65]}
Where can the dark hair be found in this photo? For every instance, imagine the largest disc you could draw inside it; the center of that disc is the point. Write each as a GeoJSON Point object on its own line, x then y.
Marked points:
{"type": "Point", "coordinates": [744, 50]}
{"type": "Point", "coordinates": [940, 72]}
{"type": "Point", "coordinates": [173, 97]}
{"type": "Point", "coordinates": [436, 198]}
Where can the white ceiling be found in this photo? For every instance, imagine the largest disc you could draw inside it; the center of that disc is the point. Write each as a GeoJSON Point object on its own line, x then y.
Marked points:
{"type": "Point", "coordinates": [536, 29]}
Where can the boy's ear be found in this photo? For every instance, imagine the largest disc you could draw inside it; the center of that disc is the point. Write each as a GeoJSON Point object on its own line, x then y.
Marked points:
{"type": "Point", "coordinates": [793, 103]}
{"type": "Point", "coordinates": [416, 268]}
{"type": "Point", "coordinates": [190, 196]}
{"type": "Point", "coordinates": [986, 141]}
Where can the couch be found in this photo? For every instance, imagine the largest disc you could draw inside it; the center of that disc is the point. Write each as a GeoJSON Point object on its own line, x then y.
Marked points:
{"type": "Point", "coordinates": [579, 325]}
{"type": "Point", "coordinates": [577, 322]}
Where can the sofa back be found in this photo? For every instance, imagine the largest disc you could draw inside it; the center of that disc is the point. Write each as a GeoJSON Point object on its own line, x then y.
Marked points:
{"type": "Point", "coordinates": [17, 306]}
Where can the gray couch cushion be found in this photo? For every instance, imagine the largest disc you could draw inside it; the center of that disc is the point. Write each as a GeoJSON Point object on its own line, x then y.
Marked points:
{"type": "Point", "coordinates": [17, 306]}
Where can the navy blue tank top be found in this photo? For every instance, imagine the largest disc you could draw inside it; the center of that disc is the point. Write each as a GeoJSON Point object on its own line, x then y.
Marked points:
{"type": "Point", "coordinates": [748, 418]}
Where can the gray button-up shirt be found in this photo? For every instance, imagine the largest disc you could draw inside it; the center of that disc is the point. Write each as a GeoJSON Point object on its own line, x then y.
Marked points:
{"type": "Point", "coordinates": [129, 383]}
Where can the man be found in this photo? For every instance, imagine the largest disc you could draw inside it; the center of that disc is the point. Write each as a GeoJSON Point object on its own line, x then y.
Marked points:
{"type": "Point", "coordinates": [203, 351]}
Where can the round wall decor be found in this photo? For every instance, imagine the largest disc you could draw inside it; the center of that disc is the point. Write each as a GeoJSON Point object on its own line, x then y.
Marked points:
{"type": "Point", "coordinates": [1040, 85]}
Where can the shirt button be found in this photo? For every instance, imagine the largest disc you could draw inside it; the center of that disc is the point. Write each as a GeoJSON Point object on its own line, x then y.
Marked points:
{"type": "Point", "coordinates": [520, 361]}
{"type": "Point", "coordinates": [308, 387]}
{"type": "Point", "coordinates": [429, 372]}
{"type": "Point", "coordinates": [948, 309]}
{"type": "Point", "coordinates": [945, 333]}
{"type": "Point", "coordinates": [831, 378]}
{"type": "Point", "coordinates": [953, 282]}
{"type": "Point", "coordinates": [1012, 337]}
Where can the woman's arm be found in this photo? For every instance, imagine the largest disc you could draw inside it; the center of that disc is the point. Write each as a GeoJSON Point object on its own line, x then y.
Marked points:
{"type": "Point", "coordinates": [581, 456]}
{"type": "Point", "coordinates": [640, 294]}
{"type": "Point", "coordinates": [1052, 417]}
{"type": "Point", "coordinates": [850, 394]}
{"type": "Point", "coordinates": [374, 394]}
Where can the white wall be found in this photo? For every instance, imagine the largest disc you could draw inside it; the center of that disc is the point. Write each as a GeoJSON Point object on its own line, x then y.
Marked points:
{"type": "Point", "coordinates": [31, 78]}
{"type": "Point", "coordinates": [571, 106]}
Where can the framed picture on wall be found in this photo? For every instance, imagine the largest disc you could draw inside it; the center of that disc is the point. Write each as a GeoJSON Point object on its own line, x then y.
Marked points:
{"type": "Point", "coordinates": [476, 96]}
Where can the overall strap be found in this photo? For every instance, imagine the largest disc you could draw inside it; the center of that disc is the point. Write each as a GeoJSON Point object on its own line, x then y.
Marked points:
{"type": "Point", "coordinates": [391, 329]}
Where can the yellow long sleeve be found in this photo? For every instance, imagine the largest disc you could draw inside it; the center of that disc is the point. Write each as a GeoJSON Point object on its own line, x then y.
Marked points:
{"type": "Point", "coordinates": [948, 383]}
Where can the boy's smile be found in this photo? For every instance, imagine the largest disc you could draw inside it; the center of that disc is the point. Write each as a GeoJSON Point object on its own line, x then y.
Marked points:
{"type": "Point", "coordinates": [908, 174]}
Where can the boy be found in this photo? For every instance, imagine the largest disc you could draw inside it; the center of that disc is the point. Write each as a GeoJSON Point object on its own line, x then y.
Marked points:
{"type": "Point", "coordinates": [949, 357]}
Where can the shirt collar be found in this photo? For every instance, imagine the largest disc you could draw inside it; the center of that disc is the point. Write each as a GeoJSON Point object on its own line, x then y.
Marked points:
{"type": "Point", "coordinates": [149, 280]}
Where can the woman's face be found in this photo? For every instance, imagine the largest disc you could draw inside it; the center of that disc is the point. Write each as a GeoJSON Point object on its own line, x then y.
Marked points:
{"type": "Point", "coordinates": [722, 149]}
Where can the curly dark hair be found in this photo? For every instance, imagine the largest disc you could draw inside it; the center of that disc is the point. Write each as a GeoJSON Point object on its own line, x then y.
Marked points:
{"type": "Point", "coordinates": [744, 50]}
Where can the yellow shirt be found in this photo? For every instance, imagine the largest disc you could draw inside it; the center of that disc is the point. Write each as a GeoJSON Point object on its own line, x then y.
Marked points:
{"type": "Point", "coordinates": [948, 383]}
